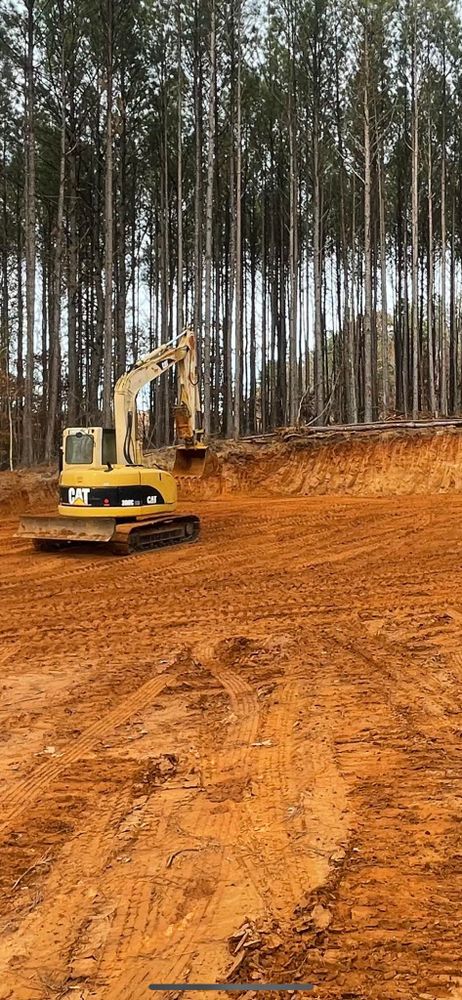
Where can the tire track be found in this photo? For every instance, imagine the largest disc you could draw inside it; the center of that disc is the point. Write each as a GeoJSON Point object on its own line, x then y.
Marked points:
{"type": "Point", "coordinates": [222, 828]}
{"type": "Point", "coordinates": [281, 888]}
{"type": "Point", "coordinates": [271, 763]}
{"type": "Point", "coordinates": [63, 912]}
{"type": "Point", "coordinates": [250, 842]}
{"type": "Point", "coordinates": [24, 793]}
{"type": "Point", "coordinates": [294, 526]}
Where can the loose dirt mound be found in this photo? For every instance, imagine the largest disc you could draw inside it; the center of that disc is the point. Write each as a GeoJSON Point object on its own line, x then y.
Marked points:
{"type": "Point", "coordinates": [21, 492]}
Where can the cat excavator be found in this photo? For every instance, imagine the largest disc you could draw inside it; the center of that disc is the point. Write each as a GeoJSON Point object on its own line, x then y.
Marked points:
{"type": "Point", "coordinates": [106, 494]}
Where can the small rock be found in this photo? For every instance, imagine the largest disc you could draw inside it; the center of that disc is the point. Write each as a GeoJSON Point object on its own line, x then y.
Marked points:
{"type": "Point", "coordinates": [321, 917]}
{"type": "Point", "coordinates": [338, 855]}
{"type": "Point", "coordinates": [82, 968]}
{"type": "Point", "coordinates": [272, 941]}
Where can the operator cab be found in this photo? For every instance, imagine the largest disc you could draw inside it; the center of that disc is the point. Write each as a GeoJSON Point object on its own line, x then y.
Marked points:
{"type": "Point", "coordinates": [94, 447]}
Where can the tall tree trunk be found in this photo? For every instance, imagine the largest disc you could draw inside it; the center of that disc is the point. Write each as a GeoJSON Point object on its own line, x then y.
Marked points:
{"type": "Point", "coordinates": [443, 333]}
{"type": "Point", "coordinates": [180, 290]}
{"type": "Point", "coordinates": [198, 174]}
{"type": "Point", "coordinates": [28, 449]}
{"type": "Point", "coordinates": [120, 233]}
{"type": "Point", "coordinates": [238, 345]}
{"type": "Point", "coordinates": [252, 339]}
{"type": "Point", "coordinates": [368, 391]}
{"type": "Point", "coordinates": [55, 324]}
{"type": "Point", "coordinates": [383, 289]}
{"type": "Point", "coordinates": [20, 345]}
{"type": "Point", "coordinates": [348, 348]}
{"type": "Point", "coordinates": [45, 311]}
{"type": "Point", "coordinates": [274, 287]}
{"type": "Point", "coordinates": [74, 394]}
{"type": "Point", "coordinates": [164, 393]}
{"type": "Point", "coordinates": [430, 283]}
{"type": "Point", "coordinates": [453, 359]}
{"type": "Point", "coordinates": [209, 228]}
{"type": "Point", "coordinates": [264, 346]}
{"type": "Point", "coordinates": [229, 415]}
{"type": "Point", "coordinates": [5, 315]}
{"type": "Point", "coordinates": [293, 230]}
{"type": "Point", "coordinates": [108, 215]}
{"type": "Point", "coordinates": [405, 354]}
{"type": "Point", "coordinates": [348, 323]}
{"type": "Point", "coordinates": [415, 232]}
{"type": "Point", "coordinates": [354, 326]}
{"type": "Point", "coordinates": [317, 268]}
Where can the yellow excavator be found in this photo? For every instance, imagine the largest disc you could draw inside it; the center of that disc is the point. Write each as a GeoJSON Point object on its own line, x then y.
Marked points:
{"type": "Point", "coordinates": [106, 494]}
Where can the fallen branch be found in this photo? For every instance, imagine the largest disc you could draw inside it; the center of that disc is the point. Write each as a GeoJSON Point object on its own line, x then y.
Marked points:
{"type": "Point", "coordinates": [285, 434]}
{"type": "Point", "coordinates": [182, 850]}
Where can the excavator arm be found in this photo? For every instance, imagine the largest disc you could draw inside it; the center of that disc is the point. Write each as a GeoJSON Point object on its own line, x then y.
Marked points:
{"type": "Point", "coordinates": [190, 454]}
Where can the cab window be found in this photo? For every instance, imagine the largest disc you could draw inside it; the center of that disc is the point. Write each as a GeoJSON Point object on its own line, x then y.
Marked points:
{"type": "Point", "coordinates": [79, 449]}
{"type": "Point", "coordinates": [109, 447]}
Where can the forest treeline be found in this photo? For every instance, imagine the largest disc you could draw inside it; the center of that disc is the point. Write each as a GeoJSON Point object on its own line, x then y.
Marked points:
{"type": "Point", "coordinates": [285, 178]}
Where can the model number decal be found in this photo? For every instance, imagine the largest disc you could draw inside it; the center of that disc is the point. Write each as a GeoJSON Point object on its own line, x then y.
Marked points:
{"type": "Point", "coordinates": [128, 503]}
{"type": "Point", "coordinates": [78, 494]}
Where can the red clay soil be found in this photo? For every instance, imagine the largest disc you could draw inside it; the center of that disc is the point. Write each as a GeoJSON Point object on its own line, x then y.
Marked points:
{"type": "Point", "coordinates": [240, 759]}
{"type": "Point", "coordinates": [373, 464]}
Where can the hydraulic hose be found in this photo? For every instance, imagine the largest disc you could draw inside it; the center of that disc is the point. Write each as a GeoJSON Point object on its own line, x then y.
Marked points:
{"type": "Point", "coordinates": [128, 439]}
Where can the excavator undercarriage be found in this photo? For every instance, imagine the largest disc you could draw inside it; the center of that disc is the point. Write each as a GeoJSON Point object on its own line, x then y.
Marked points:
{"type": "Point", "coordinates": [49, 534]}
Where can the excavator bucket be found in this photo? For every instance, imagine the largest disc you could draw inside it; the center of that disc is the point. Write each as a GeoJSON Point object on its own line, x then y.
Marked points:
{"type": "Point", "coordinates": [190, 461]}
{"type": "Point", "coordinates": [50, 532]}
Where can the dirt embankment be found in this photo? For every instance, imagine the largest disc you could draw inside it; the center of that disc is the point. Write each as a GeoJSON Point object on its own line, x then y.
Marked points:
{"type": "Point", "coordinates": [375, 464]}
{"type": "Point", "coordinates": [29, 490]}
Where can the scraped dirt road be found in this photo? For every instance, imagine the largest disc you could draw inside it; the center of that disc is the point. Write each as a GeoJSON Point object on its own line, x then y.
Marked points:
{"type": "Point", "coordinates": [241, 759]}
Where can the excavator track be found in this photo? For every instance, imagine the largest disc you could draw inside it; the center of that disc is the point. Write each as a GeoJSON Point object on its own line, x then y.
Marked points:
{"type": "Point", "coordinates": [49, 534]}
{"type": "Point", "coordinates": [139, 536]}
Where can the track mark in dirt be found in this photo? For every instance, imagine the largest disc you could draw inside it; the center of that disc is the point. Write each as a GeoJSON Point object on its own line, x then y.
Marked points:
{"type": "Point", "coordinates": [243, 700]}
{"type": "Point", "coordinates": [9, 653]}
{"type": "Point", "coordinates": [379, 924]}
{"type": "Point", "coordinates": [24, 793]}
{"type": "Point", "coordinates": [42, 906]}
{"type": "Point", "coordinates": [200, 902]}
{"type": "Point", "coordinates": [261, 830]}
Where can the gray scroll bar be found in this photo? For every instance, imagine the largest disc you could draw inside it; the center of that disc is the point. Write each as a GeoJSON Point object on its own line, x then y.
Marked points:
{"type": "Point", "coordinates": [230, 987]}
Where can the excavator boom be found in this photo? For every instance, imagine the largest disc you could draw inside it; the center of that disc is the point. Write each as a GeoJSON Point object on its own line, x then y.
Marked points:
{"type": "Point", "coordinates": [181, 353]}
